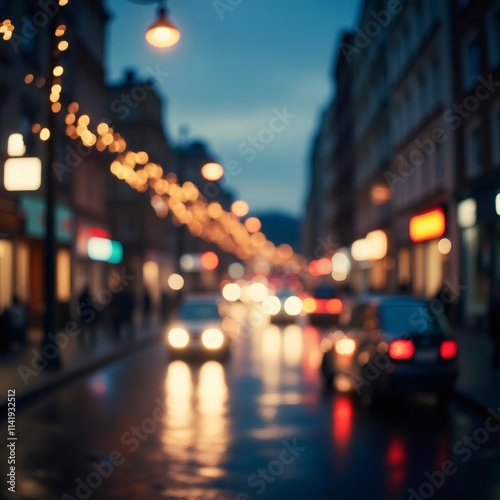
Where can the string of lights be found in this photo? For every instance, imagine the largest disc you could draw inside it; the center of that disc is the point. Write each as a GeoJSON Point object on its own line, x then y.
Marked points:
{"type": "Point", "coordinates": [204, 219]}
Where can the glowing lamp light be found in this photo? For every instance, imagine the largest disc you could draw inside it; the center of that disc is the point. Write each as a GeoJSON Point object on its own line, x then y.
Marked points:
{"type": "Point", "coordinates": [240, 208]}
{"type": "Point", "coordinates": [163, 33]}
{"type": "Point", "coordinates": [104, 250]}
{"type": "Point", "coordinates": [236, 270]}
{"type": "Point", "coordinates": [427, 226]}
{"type": "Point", "coordinates": [212, 171]}
{"type": "Point", "coordinates": [231, 292]}
{"type": "Point", "coordinates": [175, 282]}
{"type": "Point", "coordinates": [377, 242]}
{"type": "Point", "coordinates": [467, 213]}
{"type": "Point", "coordinates": [253, 225]}
{"type": "Point", "coordinates": [444, 246]}
{"type": "Point", "coordinates": [360, 250]}
{"type": "Point", "coordinates": [345, 347]}
{"type": "Point", "coordinates": [22, 174]}
{"type": "Point", "coordinates": [320, 267]}
{"type": "Point", "coordinates": [209, 261]}
{"type": "Point", "coordinates": [15, 145]}
{"type": "Point", "coordinates": [341, 265]}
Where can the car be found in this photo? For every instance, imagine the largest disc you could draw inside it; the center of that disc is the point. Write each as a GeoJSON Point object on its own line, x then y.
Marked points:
{"type": "Point", "coordinates": [392, 346]}
{"type": "Point", "coordinates": [198, 329]}
{"type": "Point", "coordinates": [323, 305]}
{"type": "Point", "coordinates": [284, 307]}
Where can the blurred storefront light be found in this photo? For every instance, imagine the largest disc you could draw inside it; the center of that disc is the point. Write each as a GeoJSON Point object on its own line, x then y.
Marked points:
{"type": "Point", "coordinates": [444, 246]}
{"type": "Point", "coordinates": [427, 225]}
{"type": "Point", "coordinates": [15, 145]}
{"type": "Point", "coordinates": [22, 174]}
{"type": "Point", "coordinates": [467, 213]}
{"type": "Point", "coordinates": [175, 282]}
{"type": "Point", "coordinates": [360, 250]}
{"type": "Point", "coordinates": [377, 243]}
{"type": "Point", "coordinates": [104, 250]}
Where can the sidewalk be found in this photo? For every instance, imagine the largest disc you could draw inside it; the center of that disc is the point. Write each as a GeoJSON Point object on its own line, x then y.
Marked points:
{"type": "Point", "coordinates": [22, 370]}
{"type": "Point", "coordinates": [478, 382]}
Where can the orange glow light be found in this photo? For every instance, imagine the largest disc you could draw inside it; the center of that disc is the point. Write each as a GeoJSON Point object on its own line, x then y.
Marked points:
{"type": "Point", "coordinates": [334, 306]}
{"type": "Point", "coordinates": [240, 208]}
{"type": "Point", "coordinates": [428, 225]}
{"type": "Point", "coordinates": [212, 171]}
{"type": "Point", "coordinates": [209, 261]}
{"type": "Point", "coordinates": [309, 305]}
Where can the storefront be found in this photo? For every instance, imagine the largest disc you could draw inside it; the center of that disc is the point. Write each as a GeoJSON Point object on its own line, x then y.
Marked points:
{"type": "Point", "coordinates": [479, 222]}
{"type": "Point", "coordinates": [30, 257]}
{"type": "Point", "coordinates": [423, 254]}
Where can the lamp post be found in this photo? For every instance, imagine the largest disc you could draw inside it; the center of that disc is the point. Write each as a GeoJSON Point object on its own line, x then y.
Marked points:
{"type": "Point", "coordinates": [50, 347]}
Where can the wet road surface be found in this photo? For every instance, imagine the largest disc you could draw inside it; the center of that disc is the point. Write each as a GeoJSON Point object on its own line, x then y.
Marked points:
{"type": "Point", "coordinates": [258, 426]}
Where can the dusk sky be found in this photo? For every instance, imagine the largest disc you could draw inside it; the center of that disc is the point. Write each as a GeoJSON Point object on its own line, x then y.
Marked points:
{"type": "Point", "coordinates": [232, 72]}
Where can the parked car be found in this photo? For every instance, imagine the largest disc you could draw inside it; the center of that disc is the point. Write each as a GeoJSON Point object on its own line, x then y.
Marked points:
{"type": "Point", "coordinates": [392, 345]}
{"type": "Point", "coordinates": [198, 329]}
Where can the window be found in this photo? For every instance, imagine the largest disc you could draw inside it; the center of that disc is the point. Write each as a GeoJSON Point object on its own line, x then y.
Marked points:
{"type": "Point", "coordinates": [493, 27]}
{"type": "Point", "coordinates": [439, 164]}
{"type": "Point", "coordinates": [472, 66]}
{"type": "Point", "coordinates": [475, 159]}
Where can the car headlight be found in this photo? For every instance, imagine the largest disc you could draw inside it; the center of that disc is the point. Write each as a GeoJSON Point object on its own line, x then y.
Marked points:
{"type": "Point", "coordinates": [178, 337]}
{"type": "Point", "coordinates": [212, 338]}
{"type": "Point", "coordinates": [293, 306]}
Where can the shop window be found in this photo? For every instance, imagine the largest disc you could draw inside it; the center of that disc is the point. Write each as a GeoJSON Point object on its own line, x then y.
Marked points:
{"type": "Point", "coordinates": [22, 272]}
{"type": "Point", "coordinates": [63, 264]}
{"type": "Point", "coordinates": [6, 265]}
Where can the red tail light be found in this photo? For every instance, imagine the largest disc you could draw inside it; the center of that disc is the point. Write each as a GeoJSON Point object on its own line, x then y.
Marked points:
{"type": "Point", "coordinates": [448, 349]}
{"type": "Point", "coordinates": [401, 349]}
{"type": "Point", "coordinates": [334, 306]}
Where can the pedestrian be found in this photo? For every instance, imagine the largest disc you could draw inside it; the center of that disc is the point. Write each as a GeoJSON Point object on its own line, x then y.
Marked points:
{"type": "Point", "coordinates": [17, 318]}
{"type": "Point", "coordinates": [123, 313]}
{"type": "Point", "coordinates": [146, 307]}
{"type": "Point", "coordinates": [494, 320]}
{"type": "Point", "coordinates": [87, 315]}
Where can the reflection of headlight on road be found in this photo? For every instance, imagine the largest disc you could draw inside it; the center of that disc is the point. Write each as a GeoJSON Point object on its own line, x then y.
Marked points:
{"type": "Point", "coordinates": [178, 337]}
{"type": "Point", "coordinates": [271, 305]}
{"type": "Point", "coordinates": [293, 306]}
{"type": "Point", "coordinates": [212, 338]}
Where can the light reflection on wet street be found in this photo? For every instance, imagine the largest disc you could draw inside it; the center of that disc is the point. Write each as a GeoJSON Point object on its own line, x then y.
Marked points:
{"type": "Point", "coordinates": [258, 426]}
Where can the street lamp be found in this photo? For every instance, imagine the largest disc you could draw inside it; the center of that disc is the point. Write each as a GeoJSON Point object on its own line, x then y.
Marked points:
{"type": "Point", "coordinates": [163, 33]}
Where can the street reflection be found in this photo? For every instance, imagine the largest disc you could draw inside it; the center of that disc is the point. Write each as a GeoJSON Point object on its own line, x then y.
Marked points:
{"type": "Point", "coordinates": [342, 427]}
{"type": "Point", "coordinates": [397, 462]}
{"type": "Point", "coordinates": [196, 433]}
{"type": "Point", "coordinates": [271, 356]}
{"type": "Point", "coordinates": [292, 345]}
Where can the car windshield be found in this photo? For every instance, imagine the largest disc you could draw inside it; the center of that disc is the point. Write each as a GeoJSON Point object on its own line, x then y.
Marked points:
{"type": "Point", "coordinates": [413, 318]}
{"type": "Point", "coordinates": [199, 310]}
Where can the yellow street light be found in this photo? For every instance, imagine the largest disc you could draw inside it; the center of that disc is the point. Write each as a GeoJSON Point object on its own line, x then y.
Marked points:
{"type": "Point", "coordinates": [212, 171]}
{"type": "Point", "coordinates": [163, 33]}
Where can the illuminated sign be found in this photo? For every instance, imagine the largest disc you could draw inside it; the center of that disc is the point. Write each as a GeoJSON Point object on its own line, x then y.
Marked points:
{"type": "Point", "coordinates": [105, 250]}
{"type": "Point", "coordinates": [428, 225]}
{"type": "Point", "coordinates": [22, 174]}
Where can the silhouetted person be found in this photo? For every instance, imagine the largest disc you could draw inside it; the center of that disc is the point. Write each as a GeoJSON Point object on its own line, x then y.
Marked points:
{"type": "Point", "coordinates": [494, 317]}
{"type": "Point", "coordinates": [18, 321]}
{"type": "Point", "coordinates": [123, 311]}
{"type": "Point", "coordinates": [146, 307]}
{"type": "Point", "coordinates": [87, 314]}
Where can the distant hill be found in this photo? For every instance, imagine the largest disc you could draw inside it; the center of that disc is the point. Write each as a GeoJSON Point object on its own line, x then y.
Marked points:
{"type": "Point", "coordinates": [281, 228]}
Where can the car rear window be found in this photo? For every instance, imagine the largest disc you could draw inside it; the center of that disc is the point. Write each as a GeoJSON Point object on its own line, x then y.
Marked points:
{"type": "Point", "coordinates": [412, 318]}
{"type": "Point", "coordinates": [324, 292]}
{"type": "Point", "coordinates": [199, 310]}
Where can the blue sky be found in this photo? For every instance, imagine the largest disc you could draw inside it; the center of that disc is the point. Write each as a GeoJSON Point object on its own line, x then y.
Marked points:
{"type": "Point", "coordinates": [232, 73]}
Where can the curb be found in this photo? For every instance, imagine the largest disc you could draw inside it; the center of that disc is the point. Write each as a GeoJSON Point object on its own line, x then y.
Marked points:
{"type": "Point", "coordinates": [27, 397]}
